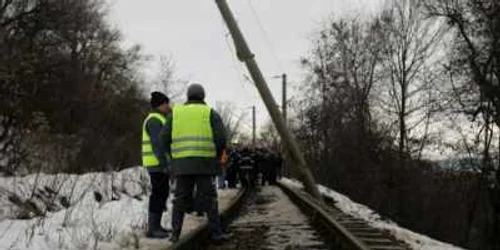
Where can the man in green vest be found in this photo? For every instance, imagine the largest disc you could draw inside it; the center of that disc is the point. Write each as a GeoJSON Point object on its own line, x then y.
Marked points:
{"type": "Point", "coordinates": [154, 159]}
{"type": "Point", "coordinates": [194, 136]}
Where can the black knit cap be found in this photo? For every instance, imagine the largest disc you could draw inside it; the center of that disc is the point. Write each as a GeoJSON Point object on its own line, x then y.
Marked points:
{"type": "Point", "coordinates": [158, 98]}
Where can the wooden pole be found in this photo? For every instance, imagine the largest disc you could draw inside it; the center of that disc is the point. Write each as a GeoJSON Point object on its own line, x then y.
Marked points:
{"type": "Point", "coordinates": [245, 55]}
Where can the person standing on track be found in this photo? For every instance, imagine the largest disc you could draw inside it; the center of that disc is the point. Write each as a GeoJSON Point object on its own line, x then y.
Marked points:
{"type": "Point", "coordinates": [232, 168]}
{"type": "Point", "coordinates": [154, 159]}
{"type": "Point", "coordinates": [195, 138]}
{"type": "Point", "coordinates": [221, 179]}
{"type": "Point", "coordinates": [275, 165]}
{"type": "Point", "coordinates": [246, 168]}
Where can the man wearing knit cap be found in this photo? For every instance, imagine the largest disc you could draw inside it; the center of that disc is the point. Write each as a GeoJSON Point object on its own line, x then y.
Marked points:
{"type": "Point", "coordinates": [194, 136]}
{"type": "Point", "coordinates": [154, 159]}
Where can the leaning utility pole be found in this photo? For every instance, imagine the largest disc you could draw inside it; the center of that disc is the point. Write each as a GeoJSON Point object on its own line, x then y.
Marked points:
{"type": "Point", "coordinates": [284, 107]}
{"type": "Point", "coordinates": [283, 98]}
{"type": "Point", "coordinates": [253, 127]}
{"type": "Point", "coordinates": [246, 56]}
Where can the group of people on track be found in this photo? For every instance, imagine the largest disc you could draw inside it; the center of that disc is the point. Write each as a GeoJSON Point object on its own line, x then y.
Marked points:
{"type": "Point", "coordinates": [250, 167]}
{"type": "Point", "coordinates": [186, 144]}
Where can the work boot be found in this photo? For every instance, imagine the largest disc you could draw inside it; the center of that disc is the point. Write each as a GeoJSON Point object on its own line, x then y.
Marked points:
{"type": "Point", "coordinates": [154, 227]}
{"type": "Point", "coordinates": [175, 237]}
{"type": "Point", "coordinates": [177, 221]}
{"type": "Point", "coordinates": [217, 233]}
{"type": "Point", "coordinates": [219, 239]}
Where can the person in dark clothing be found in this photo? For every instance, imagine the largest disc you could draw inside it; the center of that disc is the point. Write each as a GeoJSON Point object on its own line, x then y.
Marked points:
{"type": "Point", "coordinates": [275, 161]}
{"type": "Point", "coordinates": [232, 168]}
{"type": "Point", "coordinates": [194, 136]}
{"type": "Point", "coordinates": [265, 166]}
{"type": "Point", "coordinates": [254, 172]}
{"type": "Point", "coordinates": [257, 166]}
{"type": "Point", "coordinates": [279, 166]}
{"type": "Point", "coordinates": [246, 167]}
{"type": "Point", "coordinates": [154, 159]}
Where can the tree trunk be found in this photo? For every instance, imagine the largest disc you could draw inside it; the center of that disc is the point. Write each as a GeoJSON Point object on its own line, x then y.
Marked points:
{"type": "Point", "coordinates": [495, 205]}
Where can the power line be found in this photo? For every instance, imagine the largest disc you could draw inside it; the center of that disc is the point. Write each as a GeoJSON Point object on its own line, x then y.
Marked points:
{"type": "Point", "coordinates": [265, 34]}
{"type": "Point", "coordinates": [236, 64]}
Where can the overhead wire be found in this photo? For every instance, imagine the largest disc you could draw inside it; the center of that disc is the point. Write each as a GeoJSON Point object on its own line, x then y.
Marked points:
{"type": "Point", "coordinates": [236, 63]}
{"type": "Point", "coordinates": [244, 77]}
{"type": "Point", "coordinates": [237, 66]}
{"type": "Point", "coordinates": [266, 36]}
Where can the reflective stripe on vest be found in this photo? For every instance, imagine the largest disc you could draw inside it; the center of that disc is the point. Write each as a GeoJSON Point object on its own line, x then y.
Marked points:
{"type": "Point", "coordinates": [149, 159]}
{"type": "Point", "coordinates": [192, 134]}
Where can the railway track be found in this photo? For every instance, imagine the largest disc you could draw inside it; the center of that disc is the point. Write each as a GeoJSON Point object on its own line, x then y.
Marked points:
{"type": "Point", "coordinates": [281, 217]}
{"type": "Point", "coordinates": [346, 232]}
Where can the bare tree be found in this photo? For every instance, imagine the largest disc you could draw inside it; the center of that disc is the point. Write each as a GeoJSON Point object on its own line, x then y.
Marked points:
{"type": "Point", "coordinates": [373, 98]}
{"type": "Point", "coordinates": [475, 60]}
{"type": "Point", "coordinates": [12, 14]}
{"type": "Point", "coordinates": [232, 121]}
{"type": "Point", "coordinates": [345, 67]}
{"type": "Point", "coordinates": [269, 136]}
{"type": "Point", "coordinates": [411, 41]}
{"type": "Point", "coordinates": [166, 79]}
{"type": "Point", "coordinates": [60, 59]}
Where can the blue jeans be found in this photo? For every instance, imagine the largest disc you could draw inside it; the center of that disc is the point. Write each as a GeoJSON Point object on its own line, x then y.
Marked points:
{"type": "Point", "coordinates": [221, 180]}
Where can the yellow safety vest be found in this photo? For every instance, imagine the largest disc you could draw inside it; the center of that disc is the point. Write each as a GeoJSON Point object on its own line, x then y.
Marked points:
{"type": "Point", "coordinates": [149, 158]}
{"type": "Point", "coordinates": [192, 134]}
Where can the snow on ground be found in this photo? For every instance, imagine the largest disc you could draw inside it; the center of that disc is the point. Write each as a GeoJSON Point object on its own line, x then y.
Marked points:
{"type": "Point", "coordinates": [190, 222]}
{"type": "Point", "coordinates": [91, 211]}
{"type": "Point", "coordinates": [414, 240]}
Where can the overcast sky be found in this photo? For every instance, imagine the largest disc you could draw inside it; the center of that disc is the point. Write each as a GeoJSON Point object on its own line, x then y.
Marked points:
{"type": "Point", "coordinates": [192, 32]}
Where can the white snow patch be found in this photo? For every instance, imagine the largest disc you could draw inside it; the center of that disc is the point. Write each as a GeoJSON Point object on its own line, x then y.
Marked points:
{"type": "Point", "coordinates": [117, 221]}
{"type": "Point", "coordinates": [414, 240]}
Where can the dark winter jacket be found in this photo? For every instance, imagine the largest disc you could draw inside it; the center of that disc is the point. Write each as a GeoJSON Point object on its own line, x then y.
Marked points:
{"type": "Point", "coordinates": [197, 165]}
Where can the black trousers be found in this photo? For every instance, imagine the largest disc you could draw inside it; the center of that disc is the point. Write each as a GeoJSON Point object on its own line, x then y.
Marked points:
{"type": "Point", "coordinates": [231, 176]}
{"type": "Point", "coordinates": [159, 194]}
{"type": "Point", "coordinates": [273, 175]}
{"type": "Point", "coordinates": [247, 177]}
{"type": "Point", "coordinates": [205, 194]}
{"type": "Point", "coordinates": [205, 200]}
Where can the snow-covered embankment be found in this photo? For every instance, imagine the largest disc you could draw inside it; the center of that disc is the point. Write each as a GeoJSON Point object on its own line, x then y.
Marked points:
{"type": "Point", "coordinates": [91, 211]}
{"type": "Point", "coordinates": [414, 240]}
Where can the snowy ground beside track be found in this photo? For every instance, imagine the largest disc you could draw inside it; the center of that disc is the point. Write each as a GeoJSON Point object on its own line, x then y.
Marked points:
{"type": "Point", "coordinates": [108, 211]}
{"type": "Point", "coordinates": [91, 211]}
{"type": "Point", "coordinates": [414, 240]}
